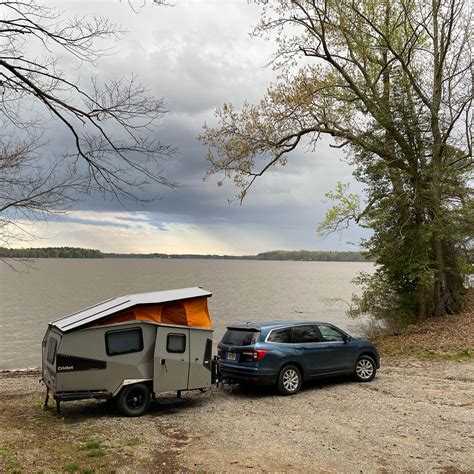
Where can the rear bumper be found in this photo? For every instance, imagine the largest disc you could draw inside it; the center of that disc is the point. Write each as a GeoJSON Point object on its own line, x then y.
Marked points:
{"type": "Point", "coordinates": [252, 375]}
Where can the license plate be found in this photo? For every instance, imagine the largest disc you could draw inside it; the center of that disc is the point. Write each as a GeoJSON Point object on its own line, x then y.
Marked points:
{"type": "Point", "coordinates": [231, 356]}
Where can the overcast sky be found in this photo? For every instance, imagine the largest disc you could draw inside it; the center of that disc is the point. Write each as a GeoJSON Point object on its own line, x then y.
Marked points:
{"type": "Point", "coordinates": [198, 55]}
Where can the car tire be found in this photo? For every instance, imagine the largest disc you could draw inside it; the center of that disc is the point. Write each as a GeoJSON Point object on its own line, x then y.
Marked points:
{"type": "Point", "coordinates": [289, 380]}
{"type": "Point", "coordinates": [365, 369]}
{"type": "Point", "coordinates": [134, 400]}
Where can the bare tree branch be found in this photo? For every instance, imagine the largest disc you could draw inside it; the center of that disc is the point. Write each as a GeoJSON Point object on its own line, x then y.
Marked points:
{"type": "Point", "coordinates": [111, 123]}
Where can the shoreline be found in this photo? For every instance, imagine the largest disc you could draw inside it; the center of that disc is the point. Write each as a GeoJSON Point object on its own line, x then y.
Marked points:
{"type": "Point", "coordinates": [26, 371]}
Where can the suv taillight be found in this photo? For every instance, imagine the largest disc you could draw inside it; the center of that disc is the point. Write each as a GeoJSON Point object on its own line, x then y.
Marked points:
{"type": "Point", "coordinates": [254, 354]}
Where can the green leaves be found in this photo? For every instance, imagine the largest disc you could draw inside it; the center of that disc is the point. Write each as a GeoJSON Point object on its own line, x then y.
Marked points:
{"type": "Point", "coordinates": [340, 215]}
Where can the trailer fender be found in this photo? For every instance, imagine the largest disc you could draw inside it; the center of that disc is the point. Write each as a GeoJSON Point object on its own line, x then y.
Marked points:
{"type": "Point", "coordinates": [129, 382]}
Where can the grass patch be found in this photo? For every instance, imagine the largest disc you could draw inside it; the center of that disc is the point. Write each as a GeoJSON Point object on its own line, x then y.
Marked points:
{"type": "Point", "coordinates": [96, 453]}
{"type": "Point", "coordinates": [4, 450]}
{"type": "Point", "coordinates": [132, 442]}
{"type": "Point", "coordinates": [72, 466]}
{"type": "Point", "coordinates": [464, 354]}
{"type": "Point", "coordinates": [92, 445]}
{"type": "Point", "coordinates": [12, 463]}
{"type": "Point", "coordinates": [94, 449]}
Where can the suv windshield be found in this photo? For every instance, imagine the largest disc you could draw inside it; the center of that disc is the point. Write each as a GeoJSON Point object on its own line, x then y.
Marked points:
{"type": "Point", "coordinates": [240, 337]}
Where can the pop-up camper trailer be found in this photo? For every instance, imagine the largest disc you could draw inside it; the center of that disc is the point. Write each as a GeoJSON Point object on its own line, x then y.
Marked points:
{"type": "Point", "coordinates": [130, 348]}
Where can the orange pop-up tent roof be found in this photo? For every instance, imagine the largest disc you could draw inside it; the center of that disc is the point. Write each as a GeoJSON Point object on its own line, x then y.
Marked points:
{"type": "Point", "coordinates": [192, 312]}
{"type": "Point", "coordinates": [184, 306]}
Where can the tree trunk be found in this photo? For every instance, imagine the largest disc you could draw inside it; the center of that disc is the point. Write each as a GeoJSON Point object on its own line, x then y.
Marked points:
{"type": "Point", "coordinates": [439, 290]}
{"type": "Point", "coordinates": [423, 303]}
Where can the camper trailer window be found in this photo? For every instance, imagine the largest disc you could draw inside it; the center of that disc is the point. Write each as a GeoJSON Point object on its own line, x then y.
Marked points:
{"type": "Point", "coordinates": [52, 347]}
{"type": "Point", "coordinates": [176, 343]}
{"type": "Point", "coordinates": [123, 342]}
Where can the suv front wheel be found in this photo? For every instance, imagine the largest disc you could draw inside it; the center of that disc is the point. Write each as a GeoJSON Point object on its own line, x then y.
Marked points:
{"type": "Point", "coordinates": [365, 369]}
{"type": "Point", "coordinates": [289, 380]}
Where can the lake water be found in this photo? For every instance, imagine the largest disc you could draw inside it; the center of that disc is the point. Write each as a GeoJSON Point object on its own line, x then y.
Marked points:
{"type": "Point", "coordinates": [243, 290]}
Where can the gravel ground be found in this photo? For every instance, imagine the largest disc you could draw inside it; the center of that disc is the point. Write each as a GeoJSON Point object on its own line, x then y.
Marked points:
{"type": "Point", "coordinates": [415, 416]}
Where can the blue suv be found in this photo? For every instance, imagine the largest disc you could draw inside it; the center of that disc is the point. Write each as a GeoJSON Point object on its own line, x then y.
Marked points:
{"type": "Point", "coordinates": [287, 353]}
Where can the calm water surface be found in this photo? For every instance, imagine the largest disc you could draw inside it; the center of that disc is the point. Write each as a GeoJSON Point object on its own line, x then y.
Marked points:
{"type": "Point", "coordinates": [242, 291]}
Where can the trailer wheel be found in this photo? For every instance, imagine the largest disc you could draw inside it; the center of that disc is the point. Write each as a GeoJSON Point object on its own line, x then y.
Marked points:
{"type": "Point", "coordinates": [134, 400]}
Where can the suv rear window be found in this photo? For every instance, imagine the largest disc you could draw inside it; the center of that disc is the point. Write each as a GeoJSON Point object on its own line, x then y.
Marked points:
{"type": "Point", "coordinates": [240, 337]}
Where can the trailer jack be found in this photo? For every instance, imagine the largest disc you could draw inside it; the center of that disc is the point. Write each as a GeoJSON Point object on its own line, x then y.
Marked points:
{"type": "Point", "coordinates": [46, 400]}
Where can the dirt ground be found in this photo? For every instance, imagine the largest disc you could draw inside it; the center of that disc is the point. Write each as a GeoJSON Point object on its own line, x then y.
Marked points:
{"type": "Point", "coordinates": [415, 416]}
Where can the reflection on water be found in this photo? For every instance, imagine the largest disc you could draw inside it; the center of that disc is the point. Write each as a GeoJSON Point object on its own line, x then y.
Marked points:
{"type": "Point", "coordinates": [242, 291]}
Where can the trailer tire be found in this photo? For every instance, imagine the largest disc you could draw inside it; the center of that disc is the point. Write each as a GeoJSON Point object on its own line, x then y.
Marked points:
{"type": "Point", "coordinates": [134, 400]}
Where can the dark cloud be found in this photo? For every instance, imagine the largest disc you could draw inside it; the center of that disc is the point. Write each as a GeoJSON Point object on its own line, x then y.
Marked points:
{"type": "Point", "coordinates": [199, 55]}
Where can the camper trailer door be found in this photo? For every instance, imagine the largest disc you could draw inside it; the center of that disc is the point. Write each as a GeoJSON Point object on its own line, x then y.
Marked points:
{"type": "Point", "coordinates": [171, 364]}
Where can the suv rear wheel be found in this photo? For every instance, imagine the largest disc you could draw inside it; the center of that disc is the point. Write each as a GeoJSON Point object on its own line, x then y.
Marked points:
{"type": "Point", "coordinates": [289, 380]}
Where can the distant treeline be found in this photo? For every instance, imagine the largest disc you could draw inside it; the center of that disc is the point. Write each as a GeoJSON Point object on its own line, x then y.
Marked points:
{"type": "Point", "coordinates": [75, 252]}
{"type": "Point", "coordinates": [182, 255]}
{"type": "Point", "coordinates": [50, 252]}
{"type": "Point", "coordinates": [312, 256]}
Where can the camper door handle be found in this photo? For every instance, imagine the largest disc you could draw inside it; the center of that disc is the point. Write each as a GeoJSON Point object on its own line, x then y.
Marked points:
{"type": "Point", "coordinates": [163, 361]}
{"type": "Point", "coordinates": [197, 358]}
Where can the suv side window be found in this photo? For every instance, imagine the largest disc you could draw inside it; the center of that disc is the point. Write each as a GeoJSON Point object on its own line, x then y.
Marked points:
{"type": "Point", "coordinates": [330, 334]}
{"type": "Point", "coordinates": [280, 335]}
{"type": "Point", "coordinates": [306, 333]}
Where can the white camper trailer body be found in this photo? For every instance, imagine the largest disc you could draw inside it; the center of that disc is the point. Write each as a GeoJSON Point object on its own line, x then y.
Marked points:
{"type": "Point", "coordinates": [90, 355]}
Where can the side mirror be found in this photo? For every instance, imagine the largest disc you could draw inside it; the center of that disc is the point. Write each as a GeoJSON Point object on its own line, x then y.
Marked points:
{"type": "Point", "coordinates": [347, 338]}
